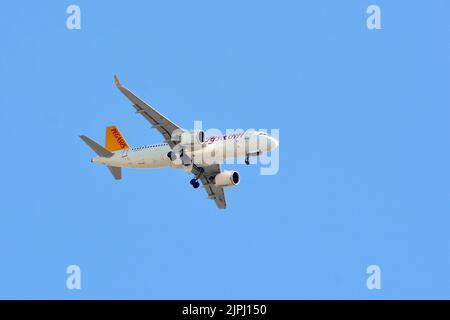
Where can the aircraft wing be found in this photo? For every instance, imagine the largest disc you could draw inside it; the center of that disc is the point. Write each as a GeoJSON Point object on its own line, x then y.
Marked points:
{"type": "Point", "coordinates": [214, 192]}
{"type": "Point", "coordinates": [156, 119]}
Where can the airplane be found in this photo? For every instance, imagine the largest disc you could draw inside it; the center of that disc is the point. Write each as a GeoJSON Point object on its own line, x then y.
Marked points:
{"type": "Point", "coordinates": [181, 149]}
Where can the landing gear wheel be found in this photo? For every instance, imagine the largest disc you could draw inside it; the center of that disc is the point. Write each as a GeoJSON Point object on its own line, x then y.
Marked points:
{"type": "Point", "coordinates": [195, 183]}
{"type": "Point", "coordinates": [247, 160]}
{"type": "Point", "coordinates": [171, 156]}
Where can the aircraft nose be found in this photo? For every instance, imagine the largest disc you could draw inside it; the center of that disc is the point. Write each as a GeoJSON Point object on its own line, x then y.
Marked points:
{"type": "Point", "coordinates": [273, 143]}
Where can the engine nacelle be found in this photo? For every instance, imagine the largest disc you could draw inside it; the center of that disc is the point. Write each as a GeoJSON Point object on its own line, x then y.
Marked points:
{"type": "Point", "coordinates": [192, 140]}
{"type": "Point", "coordinates": [227, 179]}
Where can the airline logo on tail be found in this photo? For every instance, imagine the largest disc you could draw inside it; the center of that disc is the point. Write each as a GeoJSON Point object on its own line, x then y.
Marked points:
{"type": "Point", "coordinates": [114, 140]}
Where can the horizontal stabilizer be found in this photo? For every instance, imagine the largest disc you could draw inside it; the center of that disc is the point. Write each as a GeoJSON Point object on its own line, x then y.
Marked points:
{"type": "Point", "coordinates": [98, 149]}
{"type": "Point", "coordinates": [116, 172]}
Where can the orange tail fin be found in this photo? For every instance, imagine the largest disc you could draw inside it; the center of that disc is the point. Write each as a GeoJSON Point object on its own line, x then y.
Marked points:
{"type": "Point", "coordinates": [114, 140]}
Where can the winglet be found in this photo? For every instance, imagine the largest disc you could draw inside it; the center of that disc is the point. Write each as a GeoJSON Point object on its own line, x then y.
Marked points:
{"type": "Point", "coordinates": [116, 80]}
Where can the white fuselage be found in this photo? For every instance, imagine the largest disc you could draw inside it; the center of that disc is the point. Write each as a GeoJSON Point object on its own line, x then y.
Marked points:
{"type": "Point", "coordinates": [214, 150]}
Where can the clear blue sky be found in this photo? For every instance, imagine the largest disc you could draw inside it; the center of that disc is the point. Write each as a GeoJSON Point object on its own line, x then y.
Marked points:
{"type": "Point", "coordinates": [364, 149]}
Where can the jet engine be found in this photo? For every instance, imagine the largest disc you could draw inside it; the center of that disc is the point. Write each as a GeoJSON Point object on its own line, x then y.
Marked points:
{"type": "Point", "coordinates": [227, 179]}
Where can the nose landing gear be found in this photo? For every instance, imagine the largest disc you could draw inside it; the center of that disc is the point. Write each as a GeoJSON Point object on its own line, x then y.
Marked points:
{"type": "Point", "coordinates": [247, 156]}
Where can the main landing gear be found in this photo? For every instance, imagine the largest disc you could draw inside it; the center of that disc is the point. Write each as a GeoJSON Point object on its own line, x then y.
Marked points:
{"type": "Point", "coordinates": [172, 156]}
{"type": "Point", "coordinates": [198, 173]}
{"type": "Point", "coordinates": [247, 160]}
{"type": "Point", "coordinates": [195, 183]}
